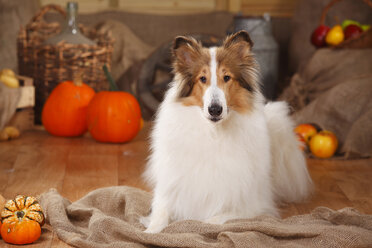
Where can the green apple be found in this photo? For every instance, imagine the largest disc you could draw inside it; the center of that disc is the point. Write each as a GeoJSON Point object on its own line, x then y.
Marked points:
{"type": "Point", "coordinates": [365, 27]}
{"type": "Point", "coordinates": [347, 22]}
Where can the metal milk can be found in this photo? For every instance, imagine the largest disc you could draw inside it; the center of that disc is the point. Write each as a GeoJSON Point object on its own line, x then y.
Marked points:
{"type": "Point", "coordinates": [265, 49]}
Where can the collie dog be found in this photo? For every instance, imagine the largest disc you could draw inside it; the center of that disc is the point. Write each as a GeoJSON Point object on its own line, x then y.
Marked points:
{"type": "Point", "coordinates": [218, 151]}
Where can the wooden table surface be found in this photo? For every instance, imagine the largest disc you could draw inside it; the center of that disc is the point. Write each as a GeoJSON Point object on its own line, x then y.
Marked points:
{"type": "Point", "coordinates": [36, 162]}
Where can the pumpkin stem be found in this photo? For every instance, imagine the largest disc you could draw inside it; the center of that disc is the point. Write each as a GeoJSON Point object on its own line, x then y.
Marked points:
{"type": "Point", "coordinates": [78, 79]}
{"type": "Point", "coordinates": [20, 214]}
{"type": "Point", "coordinates": [113, 86]}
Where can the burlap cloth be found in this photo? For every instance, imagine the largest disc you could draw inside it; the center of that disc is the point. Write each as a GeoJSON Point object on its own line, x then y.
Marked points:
{"type": "Point", "coordinates": [108, 217]}
{"type": "Point", "coordinates": [334, 90]}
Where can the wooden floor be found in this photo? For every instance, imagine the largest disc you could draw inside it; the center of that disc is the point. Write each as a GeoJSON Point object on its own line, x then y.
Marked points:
{"type": "Point", "coordinates": [37, 161]}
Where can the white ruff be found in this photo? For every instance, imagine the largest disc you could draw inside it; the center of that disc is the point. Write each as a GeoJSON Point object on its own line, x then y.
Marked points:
{"type": "Point", "coordinates": [214, 172]}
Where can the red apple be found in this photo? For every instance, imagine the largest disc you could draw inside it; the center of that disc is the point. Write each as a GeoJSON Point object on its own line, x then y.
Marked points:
{"type": "Point", "coordinates": [323, 144]}
{"type": "Point", "coordinates": [318, 36]}
{"type": "Point", "coordinates": [306, 131]}
{"type": "Point", "coordinates": [352, 30]}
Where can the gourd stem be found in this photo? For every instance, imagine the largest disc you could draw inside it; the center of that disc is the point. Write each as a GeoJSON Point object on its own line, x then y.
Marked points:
{"type": "Point", "coordinates": [113, 86]}
{"type": "Point", "coordinates": [20, 214]}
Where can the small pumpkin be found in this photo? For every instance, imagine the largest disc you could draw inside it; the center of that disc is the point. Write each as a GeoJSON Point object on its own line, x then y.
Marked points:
{"type": "Point", "coordinates": [22, 219]}
{"type": "Point", "coordinates": [2, 202]}
{"type": "Point", "coordinates": [20, 232]}
{"type": "Point", "coordinates": [64, 112]}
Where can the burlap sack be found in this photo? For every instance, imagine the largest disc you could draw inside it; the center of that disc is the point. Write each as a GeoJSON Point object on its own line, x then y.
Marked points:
{"type": "Point", "coordinates": [128, 48]}
{"type": "Point", "coordinates": [108, 217]}
{"type": "Point", "coordinates": [334, 90]}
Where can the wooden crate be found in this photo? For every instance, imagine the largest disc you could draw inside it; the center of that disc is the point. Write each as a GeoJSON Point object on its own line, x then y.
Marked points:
{"type": "Point", "coordinates": [27, 92]}
{"type": "Point", "coordinates": [23, 118]}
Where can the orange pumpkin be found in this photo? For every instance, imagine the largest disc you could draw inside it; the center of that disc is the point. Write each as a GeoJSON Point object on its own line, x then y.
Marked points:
{"type": "Point", "coordinates": [21, 220]}
{"type": "Point", "coordinates": [64, 112]}
{"type": "Point", "coordinates": [21, 232]}
{"type": "Point", "coordinates": [114, 116]}
{"type": "Point", "coordinates": [2, 202]}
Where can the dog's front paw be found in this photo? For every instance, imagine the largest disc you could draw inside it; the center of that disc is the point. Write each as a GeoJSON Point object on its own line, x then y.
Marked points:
{"type": "Point", "coordinates": [216, 220]}
{"type": "Point", "coordinates": [154, 229]}
{"type": "Point", "coordinates": [221, 218]}
{"type": "Point", "coordinates": [145, 220]}
{"type": "Point", "coordinates": [157, 220]}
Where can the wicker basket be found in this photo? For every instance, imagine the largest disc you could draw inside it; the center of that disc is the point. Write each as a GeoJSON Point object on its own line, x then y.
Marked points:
{"type": "Point", "coordinates": [52, 64]}
{"type": "Point", "coordinates": [364, 40]}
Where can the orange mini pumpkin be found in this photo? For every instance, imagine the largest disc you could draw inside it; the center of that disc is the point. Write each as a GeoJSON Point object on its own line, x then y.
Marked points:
{"type": "Point", "coordinates": [64, 112]}
{"type": "Point", "coordinates": [21, 220]}
{"type": "Point", "coordinates": [114, 116]}
{"type": "Point", "coordinates": [21, 232]}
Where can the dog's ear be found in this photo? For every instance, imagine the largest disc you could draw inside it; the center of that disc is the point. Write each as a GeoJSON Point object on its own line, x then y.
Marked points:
{"type": "Point", "coordinates": [239, 37]}
{"type": "Point", "coordinates": [185, 50]}
{"type": "Point", "coordinates": [240, 42]}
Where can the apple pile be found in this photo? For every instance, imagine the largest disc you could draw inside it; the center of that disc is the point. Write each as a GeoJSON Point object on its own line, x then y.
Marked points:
{"type": "Point", "coordinates": [325, 36]}
{"type": "Point", "coordinates": [322, 143]}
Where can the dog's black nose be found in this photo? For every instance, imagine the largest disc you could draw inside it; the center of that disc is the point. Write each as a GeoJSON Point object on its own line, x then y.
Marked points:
{"type": "Point", "coordinates": [215, 110]}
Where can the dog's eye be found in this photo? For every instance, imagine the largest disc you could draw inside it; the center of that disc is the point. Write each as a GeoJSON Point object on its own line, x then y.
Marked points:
{"type": "Point", "coordinates": [226, 78]}
{"type": "Point", "coordinates": [203, 79]}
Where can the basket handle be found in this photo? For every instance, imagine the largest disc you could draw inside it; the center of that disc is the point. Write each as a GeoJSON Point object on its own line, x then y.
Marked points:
{"type": "Point", "coordinates": [333, 2]}
{"type": "Point", "coordinates": [46, 9]}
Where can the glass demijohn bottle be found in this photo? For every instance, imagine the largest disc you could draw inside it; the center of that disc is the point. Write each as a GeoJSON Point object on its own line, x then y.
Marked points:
{"type": "Point", "coordinates": [70, 32]}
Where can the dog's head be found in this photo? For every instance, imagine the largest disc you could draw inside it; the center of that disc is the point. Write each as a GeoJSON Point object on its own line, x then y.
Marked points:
{"type": "Point", "coordinates": [217, 79]}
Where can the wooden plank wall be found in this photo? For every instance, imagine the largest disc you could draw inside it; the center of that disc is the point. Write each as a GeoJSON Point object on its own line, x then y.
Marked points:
{"type": "Point", "coordinates": [277, 8]}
